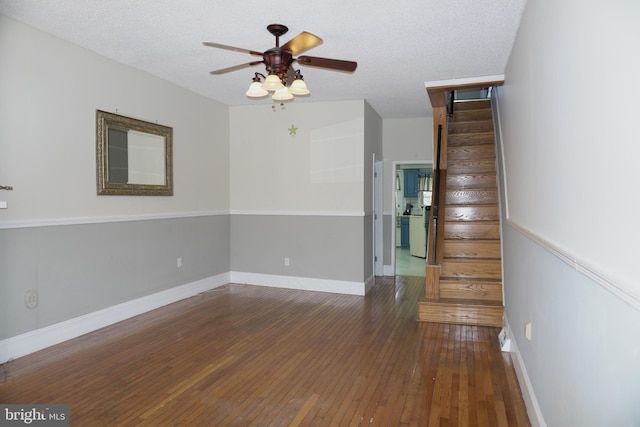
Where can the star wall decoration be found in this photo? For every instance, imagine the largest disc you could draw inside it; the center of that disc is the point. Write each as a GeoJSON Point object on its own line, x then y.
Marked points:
{"type": "Point", "coordinates": [293, 130]}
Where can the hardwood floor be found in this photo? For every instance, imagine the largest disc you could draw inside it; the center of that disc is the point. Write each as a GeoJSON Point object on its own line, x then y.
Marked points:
{"type": "Point", "coordinates": [254, 356]}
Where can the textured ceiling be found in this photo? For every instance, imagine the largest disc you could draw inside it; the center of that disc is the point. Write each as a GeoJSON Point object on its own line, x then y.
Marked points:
{"type": "Point", "coordinates": [398, 45]}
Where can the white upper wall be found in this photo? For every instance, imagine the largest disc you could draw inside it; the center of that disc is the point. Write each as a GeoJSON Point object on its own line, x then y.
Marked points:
{"type": "Point", "coordinates": [50, 90]}
{"type": "Point", "coordinates": [319, 168]}
{"type": "Point", "coordinates": [570, 126]}
{"type": "Point", "coordinates": [568, 114]}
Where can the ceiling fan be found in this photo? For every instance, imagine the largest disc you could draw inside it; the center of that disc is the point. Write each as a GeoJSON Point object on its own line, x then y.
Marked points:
{"type": "Point", "coordinates": [278, 62]}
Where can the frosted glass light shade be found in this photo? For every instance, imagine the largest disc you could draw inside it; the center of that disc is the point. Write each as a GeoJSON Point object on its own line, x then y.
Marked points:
{"type": "Point", "coordinates": [256, 90]}
{"type": "Point", "coordinates": [272, 83]}
{"type": "Point", "coordinates": [299, 87]}
{"type": "Point", "coordinates": [282, 95]}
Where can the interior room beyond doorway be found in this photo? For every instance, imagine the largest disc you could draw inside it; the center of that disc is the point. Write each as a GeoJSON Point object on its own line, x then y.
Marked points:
{"type": "Point", "coordinates": [412, 202]}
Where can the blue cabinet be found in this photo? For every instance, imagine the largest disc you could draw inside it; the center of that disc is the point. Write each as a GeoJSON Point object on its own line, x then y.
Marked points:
{"type": "Point", "coordinates": [411, 183]}
{"type": "Point", "coordinates": [404, 232]}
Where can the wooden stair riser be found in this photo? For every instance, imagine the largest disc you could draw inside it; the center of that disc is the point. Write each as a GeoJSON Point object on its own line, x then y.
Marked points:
{"type": "Point", "coordinates": [461, 314]}
{"type": "Point", "coordinates": [475, 230]}
{"type": "Point", "coordinates": [477, 269]}
{"type": "Point", "coordinates": [489, 249]}
{"type": "Point", "coordinates": [472, 213]}
{"type": "Point", "coordinates": [471, 197]}
{"type": "Point", "coordinates": [470, 152]}
{"type": "Point", "coordinates": [471, 166]}
{"type": "Point", "coordinates": [468, 290]}
{"type": "Point", "coordinates": [479, 104]}
{"type": "Point", "coordinates": [467, 139]}
{"type": "Point", "coordinates": [470, 127]}
{"type": "Point", "coordinates": [471, 180]}
{"type": "Point", "coordinates": [471, 115]}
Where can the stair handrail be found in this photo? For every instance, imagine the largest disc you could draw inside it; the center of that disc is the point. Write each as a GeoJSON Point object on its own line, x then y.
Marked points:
{"type": "Point", "coordinates": [435, 202]}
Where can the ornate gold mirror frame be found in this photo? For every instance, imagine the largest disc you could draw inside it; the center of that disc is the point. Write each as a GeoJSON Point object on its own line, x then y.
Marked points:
{"type": "Point", "coordinates": [133, 157]}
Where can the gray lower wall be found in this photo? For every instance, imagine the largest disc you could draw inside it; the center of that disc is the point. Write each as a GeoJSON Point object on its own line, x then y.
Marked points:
{"type": "Point", "coordinates": [368, 251]}
{"type": "Point", "coordinates": [320, 247]}
{"type": "Point", "coordinates": [584, 358]}
{"type": "Point", "coordinates": [79, 269]}
{"type": "Point", "coordinates": [583, 361]}
{"type": "Point", "coordinates": [388, 229]}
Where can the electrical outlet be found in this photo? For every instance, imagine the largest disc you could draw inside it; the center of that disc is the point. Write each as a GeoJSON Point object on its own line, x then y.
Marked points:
{"type": "Point", "coordinates": [179, 262]}
{"type": "Point", "coordinates": [31, 299]}
{"type": "Point", "coordinates": [286, 262]}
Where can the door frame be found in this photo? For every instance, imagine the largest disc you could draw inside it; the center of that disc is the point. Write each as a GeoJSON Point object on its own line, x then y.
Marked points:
{"type": "Point", "coordinates": [396, 166]}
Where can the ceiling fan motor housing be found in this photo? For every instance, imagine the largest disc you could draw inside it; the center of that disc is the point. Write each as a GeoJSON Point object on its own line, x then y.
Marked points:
{"type": "Point", "coordinates": [277, 61]}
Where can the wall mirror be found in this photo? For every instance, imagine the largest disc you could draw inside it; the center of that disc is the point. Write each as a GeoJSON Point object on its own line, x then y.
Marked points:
{"type": "Point", "coordinates": [133, 157]}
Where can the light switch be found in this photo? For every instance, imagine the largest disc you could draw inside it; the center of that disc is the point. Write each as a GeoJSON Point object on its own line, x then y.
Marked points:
{"type": "Point", "coordinates": [527, 330]}
{"type": "Point", "coordinates": [3, 204]}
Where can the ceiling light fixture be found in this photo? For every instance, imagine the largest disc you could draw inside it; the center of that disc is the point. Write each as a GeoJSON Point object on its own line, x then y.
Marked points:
{"type": "Point", "coordinates": [282, 79]}
{"type": "Point", "coordinates": [255, 88]}
{"type": "Point", "coordinates": [261, 86]}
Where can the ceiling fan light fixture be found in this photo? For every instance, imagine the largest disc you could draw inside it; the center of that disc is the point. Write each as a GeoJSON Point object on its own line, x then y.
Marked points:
{"type": "Point", "coordinates": [299, 87]}
{"type": "Point", "coordinates": [282, 94]}
{"type": "Point", "coordinates": [272, 83]}
{"type": "Point", "coordinates": [255, 88]}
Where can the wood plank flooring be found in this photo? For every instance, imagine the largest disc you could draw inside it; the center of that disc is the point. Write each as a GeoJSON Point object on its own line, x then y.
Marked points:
{"type": "Point", "coordinates": [252, 356]}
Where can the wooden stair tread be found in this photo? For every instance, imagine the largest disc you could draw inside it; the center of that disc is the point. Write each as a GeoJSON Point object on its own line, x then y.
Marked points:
{"type": "Point", "coordinates": [466, 213]}
{"type": "Point", "coordinates": [464, 152]}
{"type": "Point", "coordinates": [473, 196]}
{"type": "Point", "coordinates": [470, 127]}
{"type": "Point", "coordinates": [471, 139]}
{"type": "Point", "coordinates": [472, 249]}
{"type": "Point", "coordinates": [471, 230]}
{"type": "Point", "coordinates": [471, 166]}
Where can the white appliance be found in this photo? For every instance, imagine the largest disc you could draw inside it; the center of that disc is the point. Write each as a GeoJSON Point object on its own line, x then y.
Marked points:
{"type": "Point", "coordinates": [417, 236]}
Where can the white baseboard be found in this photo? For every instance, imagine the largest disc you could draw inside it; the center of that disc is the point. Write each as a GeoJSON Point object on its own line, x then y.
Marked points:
{"type": "Point", "coordinates": [533, 408]}
{"type": "Point", "coordinates": [301, 283]}
{"type": "Point", "coordinates": [21, 345]}
{"type": "Point", "coordinates": [369, 283]}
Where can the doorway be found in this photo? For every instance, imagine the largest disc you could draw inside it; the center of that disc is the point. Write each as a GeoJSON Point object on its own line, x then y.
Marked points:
{"type": "Point", "coordinates": [412, 204]}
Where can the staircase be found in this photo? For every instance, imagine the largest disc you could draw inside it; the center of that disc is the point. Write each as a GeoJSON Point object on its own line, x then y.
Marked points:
{"type": "Point", "coordinates": [469, 283]}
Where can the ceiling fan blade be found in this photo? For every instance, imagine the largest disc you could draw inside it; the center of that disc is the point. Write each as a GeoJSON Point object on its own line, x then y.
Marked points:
{"type": "Point", "coordinates": [302, 43]}
{"type": "Point", "coordinates": [332, 64]}
{"type": "Point", "coordinates": [235, 68]}
{"type": "Point", "coordinates": [233, 48]}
